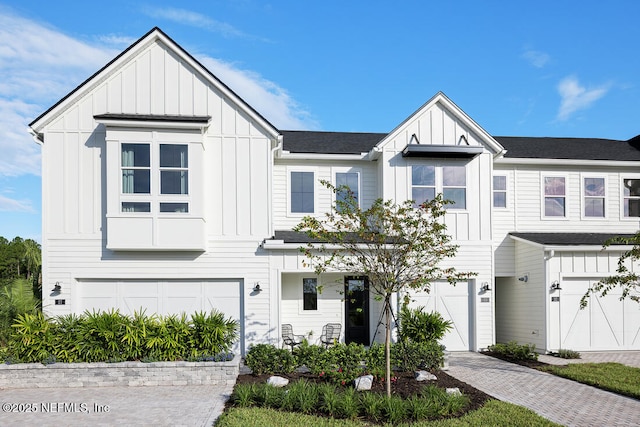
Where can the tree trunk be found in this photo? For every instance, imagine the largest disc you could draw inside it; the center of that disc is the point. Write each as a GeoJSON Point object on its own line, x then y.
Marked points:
{"type": "Point", "coordinates": [387, 343]}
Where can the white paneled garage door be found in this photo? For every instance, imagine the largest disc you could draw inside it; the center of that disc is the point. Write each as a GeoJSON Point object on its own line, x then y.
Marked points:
{"type": "Point", "coordinates": [452, 302]}
{"type": "Point", "coordinates": [162, 296]}
{"type": "Point", "coordinates": [605, 324]}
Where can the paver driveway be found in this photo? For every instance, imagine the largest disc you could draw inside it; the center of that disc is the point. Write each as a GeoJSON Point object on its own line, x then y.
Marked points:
{"type": "Point", "coordinates": [560, 400]}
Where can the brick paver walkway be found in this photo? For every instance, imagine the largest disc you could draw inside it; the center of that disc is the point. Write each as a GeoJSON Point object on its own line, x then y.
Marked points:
{"type": "Point", "coordinates": [560, 400]}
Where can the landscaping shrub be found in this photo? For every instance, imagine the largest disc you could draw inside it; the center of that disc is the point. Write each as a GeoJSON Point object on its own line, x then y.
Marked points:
{"type": "Point", "coordinates": [112, 337]}
{"type": "Point", "coordinates": [568, 354]}
{"type": "Point", "coordinates": [418, 326]}
{"type": "Point", "coordinates": [268, 359]}
{"type": "Point", "coordinates": [410, 355]}
{"type": "Point", "coordinates": [16, 298]}
{"type": "Point", "coordinates": [515, 351]}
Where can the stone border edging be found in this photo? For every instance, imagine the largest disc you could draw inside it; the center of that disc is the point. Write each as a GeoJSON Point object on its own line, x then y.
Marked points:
{"type": "Point", "coordinates": [132, 374]}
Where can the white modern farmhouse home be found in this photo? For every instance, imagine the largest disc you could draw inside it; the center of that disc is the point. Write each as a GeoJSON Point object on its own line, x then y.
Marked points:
{"type": "Point", "coordinates": [165, 191]}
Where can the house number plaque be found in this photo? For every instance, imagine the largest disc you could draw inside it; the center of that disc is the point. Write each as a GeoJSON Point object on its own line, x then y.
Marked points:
{"type": "Point", "coordinates": [555, 299]}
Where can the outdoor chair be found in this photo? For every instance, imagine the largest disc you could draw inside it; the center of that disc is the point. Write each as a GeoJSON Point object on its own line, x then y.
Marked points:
{"type": "Point", "coordinates": [288, 337]}
{"type": "Point", "coordinates": [330, 334]}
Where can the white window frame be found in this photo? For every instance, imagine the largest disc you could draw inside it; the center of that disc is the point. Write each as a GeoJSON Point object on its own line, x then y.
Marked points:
{"type": "Point", "coordinates": [584, 197]}
{"type": "Point", "coordinates": [315, 191]}
{"type": "Point", "coordinates": [543, 197]}
{"type": "Point", "coordinates": [505, 191]}
{"type": "Point", "coordinates": [334, 173]}
{"type": "Point", "coordinates": [439, 187]}
{"type": "Point", "coordinates": [624, 177]}
{"type": "Point", "coordinates": [154, 198]}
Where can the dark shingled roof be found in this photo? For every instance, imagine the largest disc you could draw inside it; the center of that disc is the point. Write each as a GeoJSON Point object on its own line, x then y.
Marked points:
{"type": "Point", "coordinates": [516, 146]}
{"type": "Point", "coordinates": [289, 236]}
{"type": "Point", "coordinates": [570, 148]}
{"type": "Point", "coordinates": [569, 239]}
{"type": "Point", "coordinates": [300, 141]}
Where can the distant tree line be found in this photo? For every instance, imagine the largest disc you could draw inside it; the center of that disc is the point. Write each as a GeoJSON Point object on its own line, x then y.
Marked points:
{"type": "Point", "coordinates": [19, 259]}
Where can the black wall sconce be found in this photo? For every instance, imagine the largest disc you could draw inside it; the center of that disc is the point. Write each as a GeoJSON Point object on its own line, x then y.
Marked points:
{"type": "Point", "coordinates": [256, 288]}
{"type": "Point", "coordinates": [555, 286]}
{"type": "Point", "coordinates": [56, 287]}
{"type": "Point", "coordinates": [485, 287]}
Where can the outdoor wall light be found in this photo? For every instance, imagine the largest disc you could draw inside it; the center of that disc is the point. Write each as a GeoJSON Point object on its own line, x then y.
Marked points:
{"type": "Point", "coordinates": [256, 287]}
{"type": "Point", "coordinates": [555, 286]}
{"type": "Point", "coordinates": [485, 287]}
{"type": "Point", "coordinates": [524, 278]}
{"type": "Point", "coordinates": [56, 287]}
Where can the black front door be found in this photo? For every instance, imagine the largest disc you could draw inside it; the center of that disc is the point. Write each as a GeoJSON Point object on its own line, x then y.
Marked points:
{"type": "Point", "coordinates": [356, 304]}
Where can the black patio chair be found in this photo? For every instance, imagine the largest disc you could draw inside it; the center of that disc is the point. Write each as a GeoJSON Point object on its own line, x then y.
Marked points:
{"type": "Point", "coordinates": [330, 334]}
{"type": "Point", "coordinates": [289, 338]}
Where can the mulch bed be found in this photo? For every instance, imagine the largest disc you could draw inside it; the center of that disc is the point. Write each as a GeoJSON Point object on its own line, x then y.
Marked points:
{"type": "Point", "coordinates": [404, 386]}
{"type": "Point", "coordinates": [534, 364]}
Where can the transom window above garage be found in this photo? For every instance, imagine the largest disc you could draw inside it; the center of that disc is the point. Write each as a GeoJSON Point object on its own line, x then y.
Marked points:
{"type": "Point", "coordinates": [155, 177]}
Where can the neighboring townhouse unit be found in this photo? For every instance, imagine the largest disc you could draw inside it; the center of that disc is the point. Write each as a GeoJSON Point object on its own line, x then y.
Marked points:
{"type": "Point", "coordinates": [164, 191]}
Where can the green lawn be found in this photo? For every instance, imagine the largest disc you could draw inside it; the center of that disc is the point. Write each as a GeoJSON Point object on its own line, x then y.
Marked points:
{"type": "Point", "coordinates": [614, 377]}
{"type": "Point", "coordinates": [493, 413]}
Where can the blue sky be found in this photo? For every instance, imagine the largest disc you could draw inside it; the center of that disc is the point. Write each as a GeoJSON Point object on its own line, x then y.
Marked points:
{"type": "Point", "coordinates": [543, 68]}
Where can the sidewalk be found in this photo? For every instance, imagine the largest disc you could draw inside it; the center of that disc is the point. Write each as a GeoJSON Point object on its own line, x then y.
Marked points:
{"type": "Point", "coordinates": [560, 400]}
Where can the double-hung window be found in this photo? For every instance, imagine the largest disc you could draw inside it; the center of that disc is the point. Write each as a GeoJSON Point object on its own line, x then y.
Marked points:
{"type": "Point", "coordinates": [302, 192]}
{"type": "Point", "coordinates": [499, 191]}
{"type": "Point", "coordinates": [554, 196]}
{"type": "Point", "coordinates": [423, 183]}
{"type": "Point", "coordinates": [451, 181]}
{"type": "Point", "coordinates": [594, 195]}
{"type": "Point", "coordinates": [347, 184]}
{"type": "Point", "coordinates": [631, 197]}
{"type": "Point", "coordinates": [154, 180]}
{"type": "Point", "coordinates": [454, 186]}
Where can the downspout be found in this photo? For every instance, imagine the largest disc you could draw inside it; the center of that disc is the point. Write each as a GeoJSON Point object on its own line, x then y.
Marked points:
{"type": "Point", "coordinates": [272, 155]}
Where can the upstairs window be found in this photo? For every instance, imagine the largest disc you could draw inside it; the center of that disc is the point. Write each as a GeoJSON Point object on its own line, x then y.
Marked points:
{"type": "Point", "coordinates": [423, 184]}
{"type": "Point", "coordinates": [347, 183]}
{"type": "Point", "coordinates": [499, 191]}
{"type": "Point", "coordinates": [454, 186]}
{"type": "Point", "coordinates": [554, 196]}
{"type": "Point", "coordinates": [631, 197]}
{"type": "Point", "coordinates": [310, 293]}
{"type": "Point", "coordinates": [593, 204]}
{"type": "Point", "coordinates": [302, 192]}
{"type": "Point", "coordinates": [163, 190]}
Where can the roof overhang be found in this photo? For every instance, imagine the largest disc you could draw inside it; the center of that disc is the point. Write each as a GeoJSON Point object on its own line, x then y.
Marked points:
{"type": "Point", "coordinates": [570, 242]}
{"type": "Point", "coordinates": [442, 151]}
{"type": "Point", "coordinates": [564, 162]}
{"type": "Point", "coordinates": [153, 121]}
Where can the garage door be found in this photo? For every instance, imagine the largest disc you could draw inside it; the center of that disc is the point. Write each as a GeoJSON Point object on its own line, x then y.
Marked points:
{"type": "Point", "coordinates": [452, 302]}
{"type": "Point", "coordinates": [605, 324]}
{"type": "Point", "coordinates": [162, 297]}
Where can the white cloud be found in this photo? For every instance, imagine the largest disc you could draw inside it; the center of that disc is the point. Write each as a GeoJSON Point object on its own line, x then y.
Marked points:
{"type": "Point", "coordinates": [39, 65]}
{"type": "Point", "coordinates": [266, 97]}
{"type": "Point", "coordinates": [12, 205]}
{"type": "Point", "coordinates": [536, 58]}
{"type": "Point", "coordinates": [575, 97]}
{"type": "Point", "coordinates": [193, 19]}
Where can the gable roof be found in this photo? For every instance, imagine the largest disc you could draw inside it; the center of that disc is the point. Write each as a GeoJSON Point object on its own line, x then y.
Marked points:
{"type": "Point", "coordinates": [155, 34]}
{"type": "Point", "coordinates": [329, 142]}
{"type": "Point", "coordinates": [570, 148]}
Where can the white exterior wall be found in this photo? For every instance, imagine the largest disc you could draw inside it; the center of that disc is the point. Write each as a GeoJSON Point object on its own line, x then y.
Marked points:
{"type": "Point", "coordinates": [520, 306]}
{"type": "Point", "coordinates": [233, 181]}
{"type": "Point", "coordinates": [324, 198]}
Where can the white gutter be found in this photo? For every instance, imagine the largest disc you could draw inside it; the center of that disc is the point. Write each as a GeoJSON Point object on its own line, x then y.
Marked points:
{"type": "Point", "coordinates": [272, 155]}
{"type": "Point", "coordinates": [35, 136]}
{"type": "Point", "coordinates": [566, 162]}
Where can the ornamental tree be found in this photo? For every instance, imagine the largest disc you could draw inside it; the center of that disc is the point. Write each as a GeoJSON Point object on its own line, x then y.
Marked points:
{"type": "Point", "coordinates": [626, 279]}
{"type": "Point", "coordinates": [398, 246]}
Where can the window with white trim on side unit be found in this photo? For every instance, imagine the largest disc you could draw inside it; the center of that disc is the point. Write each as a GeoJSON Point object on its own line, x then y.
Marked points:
{"type": "Point", "coordinates": [301, 192]}
{"type": "Point", "coordinates": [347, 183]}
{"type": "Point", "coordinates": [593, 197]}
{"type": "Point", "coordinates": [499, 191]}
{"type": "Point", "coordinates": [555, 196]}
{"type": "Point", "coordinates": [154, 178]}
{"type": "Point", "coordinates": [428, 180]}
{"type": "Point", "coordinates": [631, 197]}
